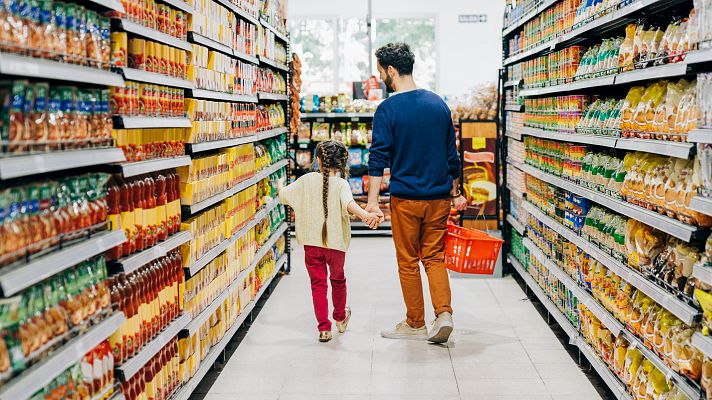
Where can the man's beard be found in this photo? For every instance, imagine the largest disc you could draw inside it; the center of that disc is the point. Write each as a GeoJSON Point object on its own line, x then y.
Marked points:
{"type": "Point", "coordinates": [389, 85]}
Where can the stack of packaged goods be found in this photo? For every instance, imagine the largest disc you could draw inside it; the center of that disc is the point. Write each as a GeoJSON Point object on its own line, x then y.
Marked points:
{"type": "Point", "coordinates": [612, 188]}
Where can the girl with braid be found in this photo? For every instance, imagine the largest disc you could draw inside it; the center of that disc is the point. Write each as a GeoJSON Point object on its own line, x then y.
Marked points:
{"type": "Point", "coordinates": [322, 202]}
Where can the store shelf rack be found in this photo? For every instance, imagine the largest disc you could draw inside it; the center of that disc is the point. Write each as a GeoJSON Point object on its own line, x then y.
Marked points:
{"type": "Point", "coordinates": [220, 96]}
{"type": "Point", "coordinates": [16, 278]}
{"type": "Point", "coordinates": [131, 122]}
{"type": "Point", "coordinates": [136, 261]}
{"type": "Point", "coordinates": [685, 312]}
{"type": "Point", "coordinates": [613, 383]}
{"type": "Point", "coordinates": [130, 169]}
{"type": "Point", "coordinates": [272, 96]}
{"type": "Point", "coordinates": [616, 327]}
{"type": "Point", "coordinates": [114, 5]}
{"type": "Point", "coordinates": [527, 17]}
{"type": "Point", "coordinates": [702, 343]}
{"type": "Point", "coordinates": [321, 117]}
{"type": "Point", "coordinates": [40, 375]}
{"type": "Point", "coordinates": [700, 135]}
{"type": "Point", "coordinates": [662, 147]}
{"type": "Point", "coordinates": [518, 226]}
{"type": "Point", "coordinates": [197, 38]}
{"type": "Point", "coordinates": [192, 209]}
{"type": "Point", "coordinates": [238, 11]}
{"type": "Point", "coordinates": [148, 33]}
{"type": "Point", "coordinates": [664, 223]}
{"type": "Point", "coordinates": [188, 388]}
{"type": "Point", "coordinates": [34, 164]}
{"type": "Point", "coordinates": [701, 204]}
{"type": "Point", "coordinates": [133, 74]}
{"type": "Point", "coordinates": [204, 315]}
{"type": "Point", "coordinates": [131, 366]}
{"type": "Point", "coordinates": [16, 65]}
{"type": "Point", "coordinates": [181, 5]}
{"type": "Point", "coordinates": [279, 35]}
{"type": "Point", "coordinates": [193, 148]}
{"type": "Point", "coordinates": [273, 64]}
{"type": "Point", "coordinates": [514, 107]}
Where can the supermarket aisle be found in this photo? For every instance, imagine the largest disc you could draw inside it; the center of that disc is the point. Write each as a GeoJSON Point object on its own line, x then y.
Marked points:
{"type": "Point", "coordinates": [502, 348]}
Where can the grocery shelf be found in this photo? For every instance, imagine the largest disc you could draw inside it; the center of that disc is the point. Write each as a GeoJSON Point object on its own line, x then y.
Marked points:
{"type": "Point", "coordinates": [657, 72]}
{"type": "Point", "coordinates": [273, 63]}
{"type": "Point", "coordinates": [514, 108]}
{"type": "Point", "coordinates": [153, 34]}
{"type": "Point", "coordinates": [569, 87]}
{"type": "Point", "coordinates": [662, 147]}
{"type": "Point", "coordinates": [213, 95]}
{"type": "Point", "coordinates": [130, 169]}
{"type": "Point", "coordinates": [40, 375]}
{"type": "Point", "coordinates": [664, 223]}
{"type": "Point", "coordinates": [33, 164]}
{"type": "Point", "coordinates": [519, 165]}
{"type": "Point", "coordinates": [277, 34]}
{"type": "Point", "coordinates": [193, 148]}
{"type": "Point", "coordinates": [685, 312]}
{"type": "Point", "coordinates": [700, 135]}
{"type": "Point", "coordinates": [128, 122]}
{"type": "Point", "coordinates": [238, 11]}
{"type": "Point", "coordinates": [308, 116]}
{"type": "Point", "coordinates": [513, 83]}
{"type": "Point", "coordinates": [181, 5]}
{"type": "Point", "coordinates": [699, 56]}
{"type": "Point", "coordinates": [133, 74]}
{"type": "Point", "coordinates": [272, 96]}
{"type": "Point", "coordinates": [598, 140]}
{"type": "Point", "coordinates": [701, 204]}
{"type": "Point", "coordinates": [13, 64]}
{"type": "Point", "coordinates": [246, 57]}
{"type": "Point", "coordinates": [136, 261]}
{"type": "Point", "coordinates": [209, 43]}
{"type": "Point", "coordinates": [14, 279]}
{"type": "Point", "coordinates": [206, 258]}
{"type": "Point", "coordinates": [597, 27]}
{"type": "Point", "coordinates": [204, 315]}
{"type": "Point", "coordinates": [518, 226]}
{"type": "Point", "coordinates": [528, 16]}
{"type": "Point", "coordinates": [613, 325]}
{"type": "Point", "coordinates": [513, 135]}
{"type": "Point", "coordinates": [134, 364]}
{"type": "Point", "coordinates": [207, 364]}
{"type": "Point", "coordinates": [114, 5]}
{"type": "Point", "coordinates": [606, 374]}
{"type": "Point", "coordinates": [192, 209]}
{"type": "Point", "coordinates": [703, 343]}
{"type": "Point", "coordinates": [703, 273]}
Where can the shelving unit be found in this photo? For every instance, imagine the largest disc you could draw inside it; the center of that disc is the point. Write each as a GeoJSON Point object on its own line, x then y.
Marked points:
{"type": "Point", "coordinates": [128, 122]}
{"type": "Point", "coordinates": [13, 64]}
{"type": "Point", "coordinates": [138, 75]}
{"type": "Point", "coordinates": [34, 164]}
{"type": "Point", "coordinates": [135, 261]}
{"type": "Point", "coordinates": [592, 32]}
{"type": "Point", "coordinates": [131, 169]}
{"type": "Point", "coordinates": [152, 34]}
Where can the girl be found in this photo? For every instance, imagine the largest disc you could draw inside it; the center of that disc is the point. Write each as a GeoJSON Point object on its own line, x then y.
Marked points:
{"type": "Point", "coordinates": [321, 203]}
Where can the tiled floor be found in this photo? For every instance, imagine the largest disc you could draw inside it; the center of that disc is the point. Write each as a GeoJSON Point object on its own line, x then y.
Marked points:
{"type": "Point", "coordinates": [502, 347]}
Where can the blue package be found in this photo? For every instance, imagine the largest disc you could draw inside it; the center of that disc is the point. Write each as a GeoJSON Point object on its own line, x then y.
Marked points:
{"type": "Point", "coordinates": [355, 158]}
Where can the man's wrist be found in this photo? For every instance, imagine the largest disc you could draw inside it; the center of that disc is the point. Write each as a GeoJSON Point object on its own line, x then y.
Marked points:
{"type": "Point", "coordinates": [456, 194]}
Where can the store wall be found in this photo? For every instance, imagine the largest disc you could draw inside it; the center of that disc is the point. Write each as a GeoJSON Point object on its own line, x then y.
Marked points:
{"type": "Point", "coordinates": [468, 53]}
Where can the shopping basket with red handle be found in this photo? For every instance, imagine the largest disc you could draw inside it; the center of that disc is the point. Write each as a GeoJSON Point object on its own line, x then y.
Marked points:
{"type": "Point", "coordinates": [470, 251]}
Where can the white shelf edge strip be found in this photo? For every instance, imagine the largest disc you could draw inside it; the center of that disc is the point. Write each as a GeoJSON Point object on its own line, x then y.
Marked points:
{"type": "Point", "coordinates": [680, 309]}
{"type": "Point", "coordinates": [210, 43]}
{"type": "Point", "coordinates": [274, 30]}
{"type": "Point", "coordinates": [15, 279]}
{"type": "Point", "coordinates": [204, 315]}
{"type": "Point", "coordinates": [153, 34]}
{"type": "Point", "coordinates": [240, 187]}
{"type": "Point", "coordinates": [606, 374]}
{"type": "Point", "coordinates": [12, 64]}
{"type": "Point", "coordinates": [133, 74]}
{"type": "Point", "coordinates": [154, 122]}
{"type": "Point", "coordinates": [701, 204]}
{"type": "Point", "coordinates": [40, 375]}
{"type": "Point", "coordinates": [19, 166]}
{"type": "Point", "coordinates": [700, 135]}
{"type": "Point", "coordinates": [220, 144]}
{"type": "Point", "coordinates": [145, 167]}
{"type": "Point", "coordinates": [666, 224]}
{"type": "Point", "coordinates": [703, 273]}
{"type": "Point", "coordinates": [134, 364]}
{"type": "Point", "coordinates": [138, 260]}
{"type": "Point", "coordinates": [215, 95]}
{"type": "Point", "coordinates": [703, 343]}
{"type": "Point", "coordinates": [518, 226]}
{"type": "Point", "coordinates": [609, 321]}
{"type": "Point", "coordinates": [336, 115]}
{"type": "Point", "coordinates": [215, 351]}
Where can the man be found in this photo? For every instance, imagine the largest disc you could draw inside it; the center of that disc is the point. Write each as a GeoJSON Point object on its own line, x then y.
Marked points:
{"type": "Point", "coordinates": [413, 135]}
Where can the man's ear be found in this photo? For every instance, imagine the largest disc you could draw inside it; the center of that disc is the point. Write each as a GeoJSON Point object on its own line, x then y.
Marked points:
{"type": "Point", "coordinates": [392, 72]}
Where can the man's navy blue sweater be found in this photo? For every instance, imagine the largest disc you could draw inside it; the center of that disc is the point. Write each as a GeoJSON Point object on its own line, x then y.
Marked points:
{"type": "Point", "coordinates": [413, 135]}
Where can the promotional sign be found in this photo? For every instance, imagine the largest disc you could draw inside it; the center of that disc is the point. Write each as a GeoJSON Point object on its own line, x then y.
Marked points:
{"type": "Point", "coordinates": [480, 168]}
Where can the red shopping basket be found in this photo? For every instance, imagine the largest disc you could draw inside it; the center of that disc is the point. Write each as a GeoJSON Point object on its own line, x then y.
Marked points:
{"type": "Point", "coordinates": [470, 251]}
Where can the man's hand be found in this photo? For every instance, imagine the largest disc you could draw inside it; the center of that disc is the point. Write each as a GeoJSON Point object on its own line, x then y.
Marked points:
{"type": "Point", "coordinates": [375, 209]}
{"type": "Point", "coordinates": [459, 203]}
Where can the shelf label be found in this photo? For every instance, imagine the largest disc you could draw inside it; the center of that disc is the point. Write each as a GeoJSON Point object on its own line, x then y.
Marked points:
{"type": "Point", "coordinates": [320, 120]}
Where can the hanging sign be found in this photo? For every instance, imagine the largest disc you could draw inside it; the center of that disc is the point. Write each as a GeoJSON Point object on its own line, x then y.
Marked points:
{"type": "Point", "coordinates": [472, 18]}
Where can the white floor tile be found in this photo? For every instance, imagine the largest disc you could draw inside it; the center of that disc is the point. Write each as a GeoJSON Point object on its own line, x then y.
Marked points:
{"type": "Point", "coordinates": [502, 349]}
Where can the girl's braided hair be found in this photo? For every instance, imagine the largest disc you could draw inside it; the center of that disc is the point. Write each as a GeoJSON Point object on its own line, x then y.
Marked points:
{"type": "Point", "coordinates": [332, 156]}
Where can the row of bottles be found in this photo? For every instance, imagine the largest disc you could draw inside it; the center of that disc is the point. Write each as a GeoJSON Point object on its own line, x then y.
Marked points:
{"type": "Point", "coordinates": [158, 379]}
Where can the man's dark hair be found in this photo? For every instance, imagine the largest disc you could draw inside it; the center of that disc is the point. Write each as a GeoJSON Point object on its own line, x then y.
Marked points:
{"type": "Point", "coordinates": [397, 55]}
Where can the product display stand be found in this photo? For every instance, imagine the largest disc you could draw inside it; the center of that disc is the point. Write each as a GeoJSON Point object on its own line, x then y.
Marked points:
{"type": "Point", "coordinates": [102, 172]}
{"type": "Point", "coordinates": [551, 240]}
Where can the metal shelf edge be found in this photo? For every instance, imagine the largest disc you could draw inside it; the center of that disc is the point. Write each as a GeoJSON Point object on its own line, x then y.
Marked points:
{"type": "Point", "coordinates": [152, 122]}
{"type": "Point", "coordinates": [153, 34]}
{"type": "Point", "coordinates": [19, 166]}
{"type": "Point", "coordinates": [135, 261]}
{"type": "Point", "coordinates": [13, 64]}
{"type": "Point", "coordinates": [518, 226]}
{"type": "Point", "coordinates": [132, 74]}
{"type": "Point", "coordinates": [15, 279]}
{"type": "Point", "coordinates": [144, 167]}
{"type": "Point", "coordinates": [700, 135]}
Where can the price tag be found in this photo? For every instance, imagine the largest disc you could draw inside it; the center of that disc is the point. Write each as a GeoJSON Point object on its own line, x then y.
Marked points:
{"type": "Point", "coordinates": [303, 146]}
{"type": "Point", "coordinates": [320, 120]}
{"type": "Point", "coordinates": [355, 119]}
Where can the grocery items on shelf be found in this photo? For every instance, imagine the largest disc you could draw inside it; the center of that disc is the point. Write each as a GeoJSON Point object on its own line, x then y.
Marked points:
{"type": "Point", "coordinates": [149, 56]}
{"type": "Point", "coordinates": [212, 120]}
{"type": "Point", "coordinates": [480, 104]}
{"type": "Point", "coordinates": [158, 378]}
{"type": "Point", "coordinates": [44, 215]}
{"type": "Point", "coordinates": [217, 23]}
{"type": "Point", "coordinates": [146, 208]}
{"type": "Point", "coordinates": [40, 117]}
{"type": "Point", "coordinates": [704, 100]}
{"type": "Point", "coordinates": [270, 81]}
{"type": "Point", "coordinates": [148, 100]}
{"type": "Point", "coordinates": [149, 297]}
{"type": "Point", "coordinates": [212, 70]}
{"type": "Point", "coordinates": [341, 103]}
{"type": "Point", "coordinates": [294, 89]}
{"type": "Point", "coordinates": [59, 31]}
